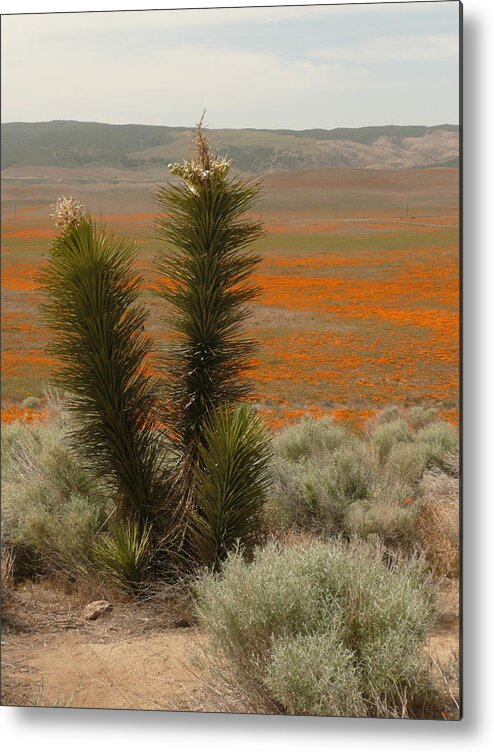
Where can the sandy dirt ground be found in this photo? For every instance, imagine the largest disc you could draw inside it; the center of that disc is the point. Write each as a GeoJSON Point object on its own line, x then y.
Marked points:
{"type": "Point", "coordinates": [137, 656]}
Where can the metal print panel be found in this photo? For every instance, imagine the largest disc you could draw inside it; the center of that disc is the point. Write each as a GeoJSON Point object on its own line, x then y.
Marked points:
{"type": "Point", "coordinates": [230, 360]}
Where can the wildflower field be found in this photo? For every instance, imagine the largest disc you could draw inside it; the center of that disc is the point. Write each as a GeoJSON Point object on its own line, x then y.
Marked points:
{"type": "Point", "coordinates": [359, 287]}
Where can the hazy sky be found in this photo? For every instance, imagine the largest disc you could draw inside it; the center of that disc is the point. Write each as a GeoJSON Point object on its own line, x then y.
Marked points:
{"type": "Point", "coordinates": [285, 67]}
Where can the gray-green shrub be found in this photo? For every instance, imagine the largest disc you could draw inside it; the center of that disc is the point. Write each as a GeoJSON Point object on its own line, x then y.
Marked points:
{"type": "Point", "coordinates": [438, 439]}
{"type": "Point", "coordinates": [406, 462]}
{"type": "Point", "coordinates": [392, 523]}
{"type": "Point", "coordinates": [312, 494]}
{"type": "Point", "coordinates": [387, 435]}
{"type": "Point", "coordinates": [315, 674]}
{"type": "Point", "coordinates": [418, 417]}
{"type": "Point", "coordinates": [324, 629]}
{"type": "Point", "coordinates": [51, 507]}
{"type": "Point", "coordinates": [388, 414]}
{"type": "Point", "coordinates": [310, 438]}
{"type": "Point", "coordinates": [31, 403]}
{"type": "Point", "coordinates": [329, 480]}
{"type": "Point", "coordinates": [354, 468]}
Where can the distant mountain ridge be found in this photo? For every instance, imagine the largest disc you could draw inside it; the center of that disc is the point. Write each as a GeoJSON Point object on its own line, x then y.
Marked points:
{"type": "Point", "coordinates": [73, 144]}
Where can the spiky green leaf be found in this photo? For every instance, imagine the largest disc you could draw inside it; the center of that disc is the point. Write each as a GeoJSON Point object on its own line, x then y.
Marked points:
{"type": "Point", "coordinates": [230, 483]}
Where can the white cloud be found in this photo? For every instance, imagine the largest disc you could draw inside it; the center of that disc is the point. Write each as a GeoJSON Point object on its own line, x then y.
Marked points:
{"type": "Point", "coordinates": [62, 24]}
{"type": "Point", "coordinates": [184, 78]}
{"type": "Point", "coordinates": [406, 48]}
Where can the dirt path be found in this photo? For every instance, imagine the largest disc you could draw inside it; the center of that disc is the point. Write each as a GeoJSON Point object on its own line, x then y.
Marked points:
{"type": "Point", "coordinates": [71, 669]}
{"type": "Point", "coordinates": [136, 656]}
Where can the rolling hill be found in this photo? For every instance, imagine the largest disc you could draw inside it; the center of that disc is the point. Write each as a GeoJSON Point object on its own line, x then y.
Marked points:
{"type": "Point", "coordinates": [73, 144]}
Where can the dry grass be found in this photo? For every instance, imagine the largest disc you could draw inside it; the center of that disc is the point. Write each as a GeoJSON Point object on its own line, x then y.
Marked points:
{"type": "Point", "coordinates": [437, 523]}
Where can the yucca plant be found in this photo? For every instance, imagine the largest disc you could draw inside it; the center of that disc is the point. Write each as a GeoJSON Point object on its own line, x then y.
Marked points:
{"type": "Point", "coordinates": [205, 267]}
{"type": "Point", "coordinates": [230, 482]}
{"type": "Point", "coordinates": [92, 305]}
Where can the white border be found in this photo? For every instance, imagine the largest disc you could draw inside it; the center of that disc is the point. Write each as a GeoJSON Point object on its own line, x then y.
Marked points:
{"type": "Point", "coordinates": [51, 6]}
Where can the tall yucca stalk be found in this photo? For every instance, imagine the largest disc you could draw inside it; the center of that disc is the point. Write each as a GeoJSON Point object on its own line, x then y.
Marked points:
{"type": "Point", "coordinates": [205, 268]}
{"type": "Point", "coordinates": [92, 306]}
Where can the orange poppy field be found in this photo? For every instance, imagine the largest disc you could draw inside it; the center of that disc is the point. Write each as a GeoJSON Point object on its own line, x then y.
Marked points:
{"type": "Point", "coordinates": [359, 289]}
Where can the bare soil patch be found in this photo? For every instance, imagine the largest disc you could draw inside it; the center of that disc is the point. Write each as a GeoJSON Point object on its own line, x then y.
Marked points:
{"type": "Point", "coordinates": [136, 656]}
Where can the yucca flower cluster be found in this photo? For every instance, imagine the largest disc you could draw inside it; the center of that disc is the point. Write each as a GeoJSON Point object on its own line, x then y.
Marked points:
{"type": "Point", "coordinates": [206, 168]}
{"type": "Point", "coordinates": [195, 174]}
{"type": "Point", "coordinates": [67, 212]}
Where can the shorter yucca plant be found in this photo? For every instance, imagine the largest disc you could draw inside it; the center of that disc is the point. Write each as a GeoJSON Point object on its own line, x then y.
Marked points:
{"type": "Point", "coordinates": [124, 554]}
{"type": "Point", "coordinates": [230, 481]}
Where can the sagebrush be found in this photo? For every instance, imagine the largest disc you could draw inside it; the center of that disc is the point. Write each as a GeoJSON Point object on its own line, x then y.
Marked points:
{"type": "Point", "coordinates": [330, 480]}
{"type": "Point", "coordinates": [322, 629]}
{"type": "Point", "coordinates": [52, 507]}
